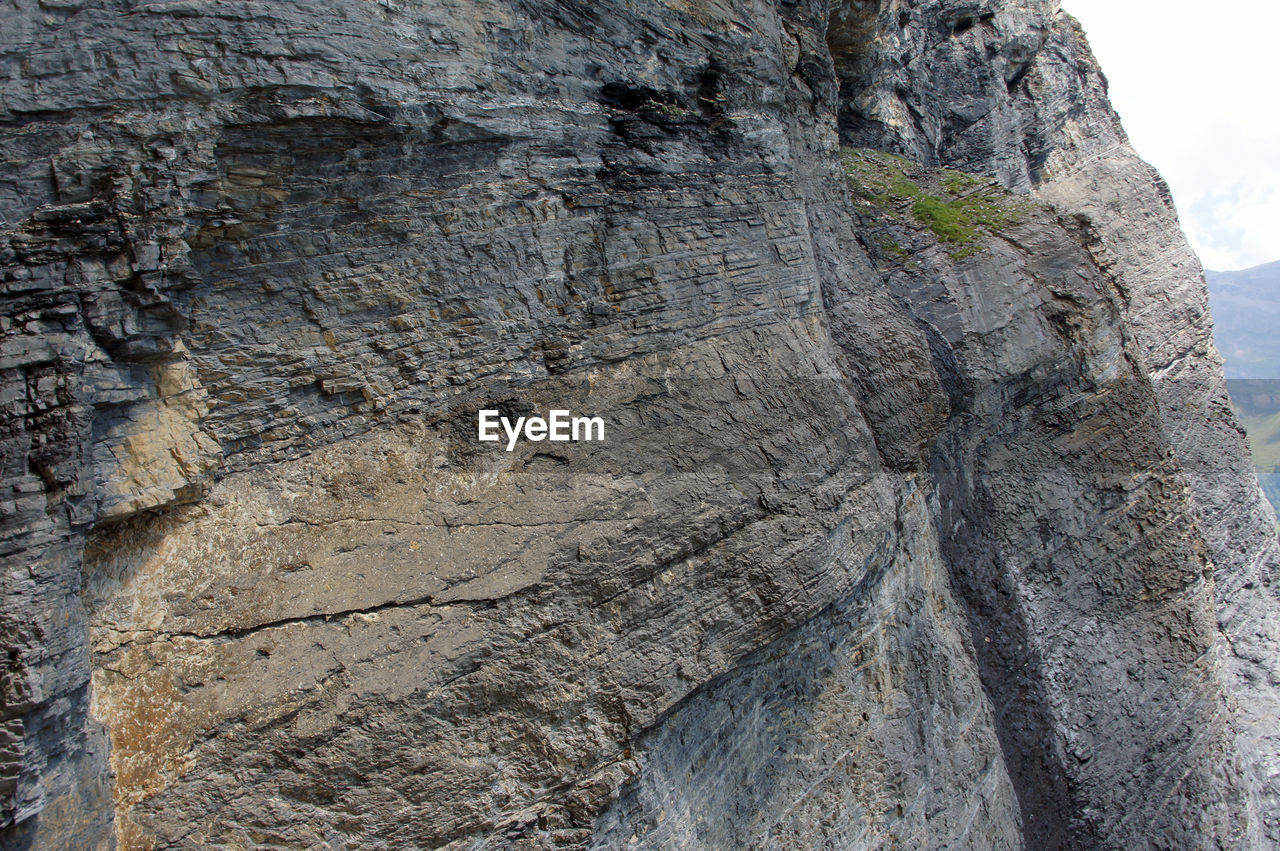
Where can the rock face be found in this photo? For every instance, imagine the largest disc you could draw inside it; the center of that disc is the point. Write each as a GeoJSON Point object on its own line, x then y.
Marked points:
{"type": "Point", "coordinates": [920, 520]}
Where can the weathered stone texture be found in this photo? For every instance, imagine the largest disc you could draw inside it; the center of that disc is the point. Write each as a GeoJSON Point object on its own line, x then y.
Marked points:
{"type": "Point", "coordinates": [1058, 427]}
{"type": "Point", "coordinates": [887, 543]}
{"type": "Point", "coordinates": [1011, 90]}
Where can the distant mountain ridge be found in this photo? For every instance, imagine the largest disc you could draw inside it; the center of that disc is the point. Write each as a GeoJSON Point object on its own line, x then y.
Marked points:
{"type": "Point", "coordinates": [1246, 312]}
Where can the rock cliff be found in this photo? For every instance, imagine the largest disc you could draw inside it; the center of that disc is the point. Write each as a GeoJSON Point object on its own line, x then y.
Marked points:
{"type": "Point", "coordinates": [921, 519]}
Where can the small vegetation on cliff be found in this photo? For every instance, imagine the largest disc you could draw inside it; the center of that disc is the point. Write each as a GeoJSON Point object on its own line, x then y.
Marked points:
{"type": "Point", "coordinates": [959, 211]}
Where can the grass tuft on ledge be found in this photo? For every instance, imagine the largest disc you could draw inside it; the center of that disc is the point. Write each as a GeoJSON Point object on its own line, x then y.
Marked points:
{"type": "Point", "coordinates": [966, 208]}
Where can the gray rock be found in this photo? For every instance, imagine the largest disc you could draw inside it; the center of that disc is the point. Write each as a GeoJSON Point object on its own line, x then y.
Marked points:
{"type": "Point", "coordinates": [899, 535]}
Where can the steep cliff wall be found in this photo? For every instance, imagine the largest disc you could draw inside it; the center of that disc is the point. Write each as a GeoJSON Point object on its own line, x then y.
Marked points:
{"type": "Point", "coordinates": [921, 519]}
{"type": "Point", "coordinates": [1011, 90]}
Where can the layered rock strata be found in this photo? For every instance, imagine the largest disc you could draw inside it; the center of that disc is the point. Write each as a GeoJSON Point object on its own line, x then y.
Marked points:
{"type": "Point", "coordinates": [920, 520]}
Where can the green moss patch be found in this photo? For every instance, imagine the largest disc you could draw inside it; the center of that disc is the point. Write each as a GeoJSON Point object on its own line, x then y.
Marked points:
{"type": "Point", "coordinates": [879, 178]}
{"type": "Point", "coordinates": [959, 182]}
{"type": "Point", "coordinates": [959, 208]}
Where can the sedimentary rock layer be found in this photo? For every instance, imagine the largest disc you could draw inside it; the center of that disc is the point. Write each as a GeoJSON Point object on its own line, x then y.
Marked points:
{"type": "Point", "coordinates": [920, 518]}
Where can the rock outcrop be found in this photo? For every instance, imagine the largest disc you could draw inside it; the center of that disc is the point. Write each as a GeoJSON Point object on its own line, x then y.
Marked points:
{"type": "Point", "coordinates": [921, 519]}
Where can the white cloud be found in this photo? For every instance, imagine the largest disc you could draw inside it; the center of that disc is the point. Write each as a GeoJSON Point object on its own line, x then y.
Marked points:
{"type": "Point", "coordinates": [1195, 86]}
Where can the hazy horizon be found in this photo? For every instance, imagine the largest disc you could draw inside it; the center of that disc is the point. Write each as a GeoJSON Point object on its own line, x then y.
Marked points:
{"type": "Point", "coordinates": [1192, 89]}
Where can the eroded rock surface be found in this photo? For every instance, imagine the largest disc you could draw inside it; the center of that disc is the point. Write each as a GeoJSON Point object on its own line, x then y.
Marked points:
{"type": "Point", "coordinates": [920, 520]}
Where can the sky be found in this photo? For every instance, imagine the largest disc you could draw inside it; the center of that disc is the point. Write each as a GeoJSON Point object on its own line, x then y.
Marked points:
{"type": "Point", "coordinates": [1195, 84]}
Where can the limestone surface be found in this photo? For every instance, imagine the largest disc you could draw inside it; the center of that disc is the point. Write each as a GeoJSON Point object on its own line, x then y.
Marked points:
{"type": "Point", "coordinates": [921, 519]}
